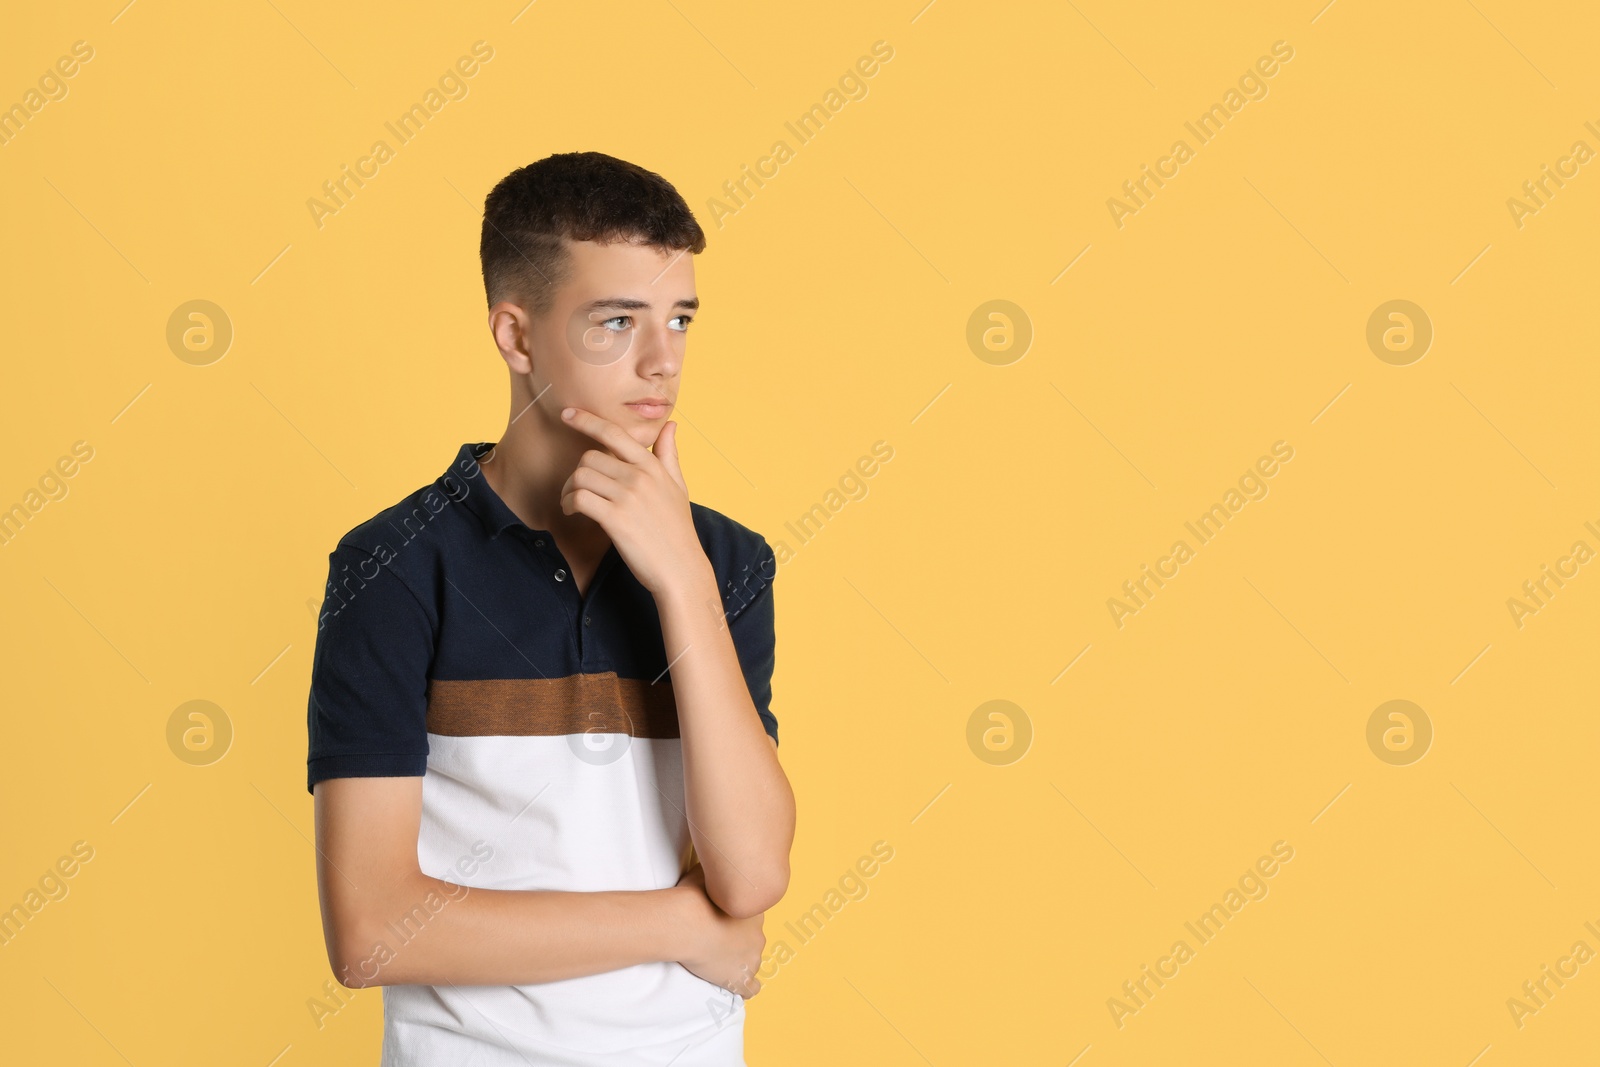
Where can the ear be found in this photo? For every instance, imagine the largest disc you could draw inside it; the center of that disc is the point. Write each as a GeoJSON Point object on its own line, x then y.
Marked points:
{"type": "Point", "coordinates": [509, 325]}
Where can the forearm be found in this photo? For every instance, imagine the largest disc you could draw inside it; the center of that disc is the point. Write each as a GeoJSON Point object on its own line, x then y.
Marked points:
{"type": "Point", "coordinates": [738, 801]}
{"type": "Point", "coordinates": [427, 931]}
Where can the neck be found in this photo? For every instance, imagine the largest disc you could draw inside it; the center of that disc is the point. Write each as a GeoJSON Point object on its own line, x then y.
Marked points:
{"type": "Point", "coordinates": [530, 463]}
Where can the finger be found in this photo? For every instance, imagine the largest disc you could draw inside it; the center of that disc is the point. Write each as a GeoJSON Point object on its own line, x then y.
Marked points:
{"type": "Point", "coordinates": [584, 502]}
{"type": "Point", "coordinates": [607, 433]}
{"type": "Point", "coordinates": [595, 481]}
{"type": "Point", "coordinates": [667, 452]}
{"type": "Point", "coordinates": [604, 462]}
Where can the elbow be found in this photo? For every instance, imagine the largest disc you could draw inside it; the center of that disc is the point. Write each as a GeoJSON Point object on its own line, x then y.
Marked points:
{"type": "Point", "coordinates": [358, 938]}
{"type": "Point", "coordinates": [357, 970]}
{"type": "Point", "coordinates": [358, 959]}
{"type": "Point", "coordinates": [349, 965]}
{"type": "Point", "coordinates": [345, 978]}
{"type": "Point", "coordinates": [750, 897]}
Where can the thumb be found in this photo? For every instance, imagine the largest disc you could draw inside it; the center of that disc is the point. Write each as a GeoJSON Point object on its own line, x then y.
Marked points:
{"type": "Point", "coordinates": [666, 450]}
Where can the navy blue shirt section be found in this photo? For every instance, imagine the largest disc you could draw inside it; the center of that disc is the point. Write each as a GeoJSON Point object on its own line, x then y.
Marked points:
{"type": "Point", "coordinates": [450, 584]}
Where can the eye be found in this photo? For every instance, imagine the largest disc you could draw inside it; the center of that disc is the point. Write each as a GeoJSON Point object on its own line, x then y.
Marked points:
{"type": "Point", "coordinates": [686, 320]}
{"type": "Point", "coordinates": [620, 318]}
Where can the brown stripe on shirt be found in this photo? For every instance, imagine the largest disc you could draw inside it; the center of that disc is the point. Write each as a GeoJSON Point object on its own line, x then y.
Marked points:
{"type": "Point", "coordinates": [551, 707]}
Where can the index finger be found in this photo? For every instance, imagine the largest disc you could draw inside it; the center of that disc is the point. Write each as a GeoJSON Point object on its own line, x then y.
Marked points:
{"type": "Point", "coordinates": [607, 433]}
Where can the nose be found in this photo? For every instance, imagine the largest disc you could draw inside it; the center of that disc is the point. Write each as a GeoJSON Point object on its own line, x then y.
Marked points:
{"type": "Point", "coordinates": [657, 353]}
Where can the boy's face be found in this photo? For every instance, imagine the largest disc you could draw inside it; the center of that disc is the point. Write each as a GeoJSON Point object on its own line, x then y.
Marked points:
{"type": "Point", "coordinates": [614, 336]}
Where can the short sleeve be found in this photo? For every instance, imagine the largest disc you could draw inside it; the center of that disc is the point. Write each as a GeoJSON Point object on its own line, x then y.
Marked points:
{"type": "Point", "coordinates": [755, 641]}
{"type": "Point", "coordinates": [368, 709]}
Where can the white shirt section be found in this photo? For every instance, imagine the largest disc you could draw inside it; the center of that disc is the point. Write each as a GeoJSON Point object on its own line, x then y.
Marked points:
{"type": "Point", "coordinates": [583, 812]}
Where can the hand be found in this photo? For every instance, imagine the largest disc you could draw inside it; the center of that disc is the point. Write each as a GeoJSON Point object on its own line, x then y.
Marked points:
{"type": "Point", "coordinates": [726, 951]}
{"type": "Point", "coordinates": [640, 499]}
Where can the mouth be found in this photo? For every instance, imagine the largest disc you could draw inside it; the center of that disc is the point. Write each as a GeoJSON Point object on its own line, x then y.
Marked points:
{"type": "Point", "coordinates": [650, 409]}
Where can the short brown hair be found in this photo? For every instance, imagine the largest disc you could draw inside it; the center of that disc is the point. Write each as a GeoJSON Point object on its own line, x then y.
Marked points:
{"type": "Point", "coordinates": [580, 196]}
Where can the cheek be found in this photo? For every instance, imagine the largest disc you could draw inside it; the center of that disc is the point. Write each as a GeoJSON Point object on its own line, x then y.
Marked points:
{"type": "Point", "coordinates": [591, 343]}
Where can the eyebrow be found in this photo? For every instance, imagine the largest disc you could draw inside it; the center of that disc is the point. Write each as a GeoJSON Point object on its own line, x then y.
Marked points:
{"type": "Point", "coordinates": [627, 303]}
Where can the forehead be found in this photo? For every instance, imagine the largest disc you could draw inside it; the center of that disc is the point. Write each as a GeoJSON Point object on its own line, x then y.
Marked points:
{"type": "Point", "coordinates": [636, 268]}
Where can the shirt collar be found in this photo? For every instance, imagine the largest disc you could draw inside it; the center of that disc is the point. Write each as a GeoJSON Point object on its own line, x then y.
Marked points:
{"type": "Point", "coordinates": [465, 476]}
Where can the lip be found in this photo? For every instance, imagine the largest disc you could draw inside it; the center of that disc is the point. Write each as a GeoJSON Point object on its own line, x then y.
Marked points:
{"type": "Point", "coordinates": [650, 409]}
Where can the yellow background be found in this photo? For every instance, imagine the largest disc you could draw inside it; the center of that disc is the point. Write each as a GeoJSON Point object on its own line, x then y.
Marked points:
{"type": "Point", "coordinates": [1230, 312]}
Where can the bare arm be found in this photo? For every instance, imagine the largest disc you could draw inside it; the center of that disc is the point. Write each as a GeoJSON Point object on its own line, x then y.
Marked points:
{"type": "Point", "coordinates": [739, 804]}
{"type": "Point", "coordinates": [737, 800]}
{"type": "Point", "coordinates": [385, 922]}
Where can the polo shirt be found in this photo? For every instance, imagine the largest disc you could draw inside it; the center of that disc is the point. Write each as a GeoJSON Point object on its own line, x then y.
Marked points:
{"type": "Point", "coordinates": [453, 644]}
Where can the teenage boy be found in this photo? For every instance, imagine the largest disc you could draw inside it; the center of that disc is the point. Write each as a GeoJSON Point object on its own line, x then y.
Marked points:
{"type": "Point", "coordinates": [549, 807]}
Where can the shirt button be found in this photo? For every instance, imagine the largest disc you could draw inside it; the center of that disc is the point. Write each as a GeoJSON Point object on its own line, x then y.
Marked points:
{"type": "Point", "coordinates": [539, 542]}
{"type": "Point", "coordinates": [561, 576]}
{"type": "Point", "coordinates": [586, 620]}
